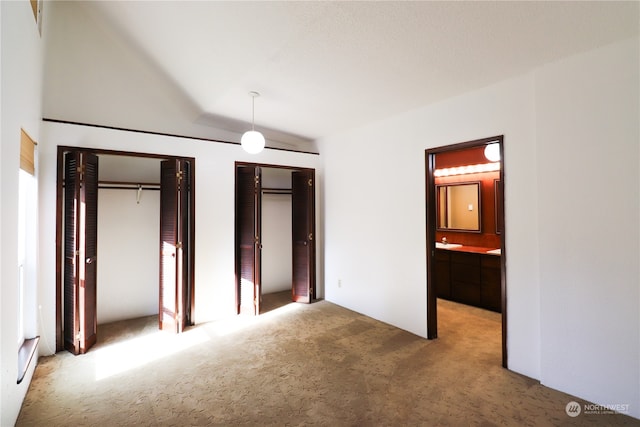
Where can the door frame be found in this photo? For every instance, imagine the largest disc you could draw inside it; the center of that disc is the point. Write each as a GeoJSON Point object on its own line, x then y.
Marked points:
{"type": "Point", "coordinates": [313, 279]}
{"type": "Point", "coordinates": [430, 198]}
{"type": "Point", "coordinates": [61, 149]}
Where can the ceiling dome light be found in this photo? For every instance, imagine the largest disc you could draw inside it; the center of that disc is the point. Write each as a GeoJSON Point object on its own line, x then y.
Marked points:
{"type": "Point", "coordinates": [492, 152]}
{"type": "Point", "coordinates": [252, 141]}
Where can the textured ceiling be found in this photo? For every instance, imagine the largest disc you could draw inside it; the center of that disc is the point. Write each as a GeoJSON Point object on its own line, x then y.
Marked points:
{"type": "Point", "coordinates": [323, 67]}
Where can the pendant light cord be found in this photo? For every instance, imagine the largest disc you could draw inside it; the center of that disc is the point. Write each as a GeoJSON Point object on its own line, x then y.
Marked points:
{"type": "Point", "coordinates": [253, 95]}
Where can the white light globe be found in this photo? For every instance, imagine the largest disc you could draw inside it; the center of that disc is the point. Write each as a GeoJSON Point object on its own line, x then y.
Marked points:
{"type": "Point", "coordinates": [252, 141]}
{"type": "Point", "coordinates": [492, 152]}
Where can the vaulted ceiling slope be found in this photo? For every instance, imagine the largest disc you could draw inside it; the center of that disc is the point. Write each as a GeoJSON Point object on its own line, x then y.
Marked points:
{"type": "Point", "coordinates": [321, 67]}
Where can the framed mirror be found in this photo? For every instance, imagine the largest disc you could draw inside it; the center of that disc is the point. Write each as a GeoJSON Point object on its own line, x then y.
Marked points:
{"type": "Point", "coordinates": [497, 184]}
{"type": "Point", "coordinates": [458, 207]}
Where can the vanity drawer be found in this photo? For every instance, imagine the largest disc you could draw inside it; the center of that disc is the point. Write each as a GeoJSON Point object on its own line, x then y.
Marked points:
{"type": "Point", "coordinates": [465, 258]}
{"type": "Point", "coordinates": [491, 289]}
{"type": "Point", "coordinates": [465, 268]}
{"type": "Point", "coordinates": [442, 255]}
{"type": "Point", "coordinates": [491, 261]}
{"type": "Point", "coordinates": [441, 274]}
{"type": "Point", "coordinates": [491, 283]}
{"type": "Point", "coordinates": [466, 293]}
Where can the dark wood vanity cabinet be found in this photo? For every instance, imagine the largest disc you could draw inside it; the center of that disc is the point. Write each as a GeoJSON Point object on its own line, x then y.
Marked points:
{"type": "Point", "coordinates": [491, 282]}
{"type": "Point", "coordinates": [465, 278]}
{"type": "Point", "coordinates": [441, 274]}
{"type": "Point", "coordinates": [469, 278]}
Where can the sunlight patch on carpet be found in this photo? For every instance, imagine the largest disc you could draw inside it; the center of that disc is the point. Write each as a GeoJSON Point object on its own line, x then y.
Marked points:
{"type": "Point", "coordinates": [234, 324]}
{"type": "Point", "coordinates": [139, 351]}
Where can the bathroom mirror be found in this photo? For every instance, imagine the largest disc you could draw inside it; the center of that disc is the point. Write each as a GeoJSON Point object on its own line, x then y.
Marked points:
{"type": "Point", "coordinates": [497, 184]}
{"type": "Point", "coordinates": [458, 207]}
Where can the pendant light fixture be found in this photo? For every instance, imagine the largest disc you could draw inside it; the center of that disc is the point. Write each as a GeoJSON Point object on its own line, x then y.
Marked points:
{"type": "Point", "coordinates": [252, 141]}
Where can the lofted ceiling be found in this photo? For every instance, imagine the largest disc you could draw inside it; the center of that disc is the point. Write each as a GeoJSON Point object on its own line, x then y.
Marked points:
{"type": "Point", "coordinates": [324, 67]}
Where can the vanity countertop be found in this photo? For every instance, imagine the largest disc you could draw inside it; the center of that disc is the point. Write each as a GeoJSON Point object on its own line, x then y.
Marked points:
{"type": "Point", "coordinates": [472, 249]}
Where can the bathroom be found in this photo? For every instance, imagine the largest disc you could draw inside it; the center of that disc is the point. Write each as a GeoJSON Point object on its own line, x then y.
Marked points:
{"type": "Point", "coordinates": [469, 226]}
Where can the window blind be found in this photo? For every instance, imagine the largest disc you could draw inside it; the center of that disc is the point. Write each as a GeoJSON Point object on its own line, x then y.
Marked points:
{"type": "Point", "coordinates": [27, 153]}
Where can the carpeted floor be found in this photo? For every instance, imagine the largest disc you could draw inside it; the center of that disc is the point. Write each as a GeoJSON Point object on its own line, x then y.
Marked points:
{"type": "Point", "coordinates": [316, 364]}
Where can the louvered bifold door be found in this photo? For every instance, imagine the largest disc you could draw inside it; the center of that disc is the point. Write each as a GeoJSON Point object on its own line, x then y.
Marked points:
{"type": "Point", "coordinates": [71, 241]}
{"type": "Point", "coordinates": [80, 250]}
{"type": "Point", "coordinates": [248, 239]}
{"type": "Point", "coordinates": [186, 285]}
{"type": "Point", "coordinates": [174, 252]}
{"type": "Point", "coordinates": [303, 234]}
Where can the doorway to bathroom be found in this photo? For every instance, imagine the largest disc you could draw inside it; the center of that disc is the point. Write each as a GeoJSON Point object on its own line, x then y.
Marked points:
{"type": "Point", "coordinates": [465, 232]}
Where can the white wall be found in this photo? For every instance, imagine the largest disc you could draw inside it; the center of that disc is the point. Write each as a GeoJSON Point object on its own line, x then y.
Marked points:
{"type": "Point", "coordinates": [375, 236]}
{"type": "Point", "coordinates": [276, 243]}
{"type": "Point", "coordinates": [214, 213]}
{"type": "Point", "coordinates": [21, 75]}
{"type": "Point", "coordinates": [572, 302]}
{"type": "Point", "coordinates": [588, 172]}
{"type": "Point", "coordinates": [128, 263]}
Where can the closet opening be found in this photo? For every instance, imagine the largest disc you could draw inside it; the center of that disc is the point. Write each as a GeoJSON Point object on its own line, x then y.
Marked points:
{"type": "Point", "coordinates": [465, 232]}
{"type": "Point", "coordinates": [124, 242]}
{"type": "Point", "coordinates": [275, 237]}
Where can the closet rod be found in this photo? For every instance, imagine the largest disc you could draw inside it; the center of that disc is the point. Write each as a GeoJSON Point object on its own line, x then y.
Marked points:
{"type": "Point", "coordinates": [122, 187]}
{"type": "Point", "coordinates": [126, 183]}
{"type": "Point", "coordinates": [267, 190]}
{"type": "Point", "coordinates": [116, 185]}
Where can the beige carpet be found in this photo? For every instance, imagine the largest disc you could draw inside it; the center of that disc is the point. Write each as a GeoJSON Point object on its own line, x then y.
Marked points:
{"type": "Point", "coordinates": [316, 364]}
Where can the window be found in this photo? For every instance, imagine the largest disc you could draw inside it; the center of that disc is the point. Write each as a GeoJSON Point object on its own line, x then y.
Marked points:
{"type": "Point", "coordinates": [26, 245]}
{"type": "Point", "coordinates": [27, 230]}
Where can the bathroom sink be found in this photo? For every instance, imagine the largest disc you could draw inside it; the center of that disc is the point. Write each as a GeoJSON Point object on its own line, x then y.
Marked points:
{"type": "Point", "coordinates": [495, 251]}
{"type": "Point", "coordinates": [447, 245]}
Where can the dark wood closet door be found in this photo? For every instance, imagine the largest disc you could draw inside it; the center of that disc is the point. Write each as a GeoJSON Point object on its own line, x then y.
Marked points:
{"type": "Point", "coordinates": [175, 247]}
{"type": "Point", "coordinates": [80, 250]}
{"type": "Point", "coordinates": [188, 243]}
{"type": "Point", "coordinates": [248, 239]}
{"type": "Point", "coordinates": [303, 234]}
